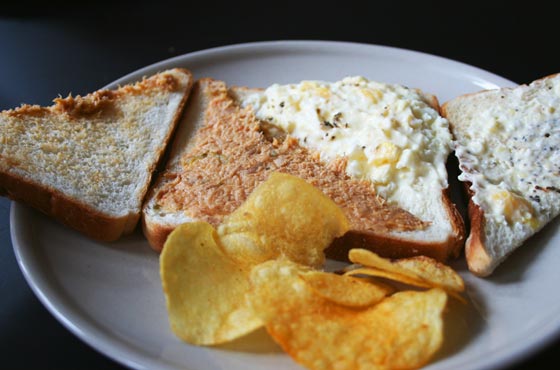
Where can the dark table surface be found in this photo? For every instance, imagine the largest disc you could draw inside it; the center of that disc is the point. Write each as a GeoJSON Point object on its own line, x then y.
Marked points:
{"type": "Point", "coordinates": [66, 47]}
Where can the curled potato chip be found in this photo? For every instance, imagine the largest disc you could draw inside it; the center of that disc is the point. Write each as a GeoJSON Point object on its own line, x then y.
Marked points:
{"type": "Point", "coordinates": [205, 289]}
{"type": "Point", "coordinates": [370, 259]}
{"type": "Point", "coordinates": [418, 271]}
{"type": "Point", "coordinates": [433, 271]}
{"type": "Point", "coordinates": [284, 216]}
{"type": "Point", "coordinates": [346, 290]}
{"type": "Point", "coordinates": [369, 271]}
{"type": "Point", "coordinates": [402, 331]}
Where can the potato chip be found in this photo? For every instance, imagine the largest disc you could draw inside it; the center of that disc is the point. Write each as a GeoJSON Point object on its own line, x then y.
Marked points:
{"type": "Point", "coordinates": [257, 269]}
{"type": "Point", "coordinates": [346, 290]}
{"type": "Point", "coordinates": [370, 259]}
{"type": "Point", "coordinates": [419, 271]}
{"type": "Point", "coordinates": [437, 273]}
{"type": "Point", "coordinates": [402, 331]}
{"type": "Point", "coordinates": [284, 216]}
{"type": "Point", "coordinates": [205, 289]}
{"type": "Point", "coordinates": [389, 275]}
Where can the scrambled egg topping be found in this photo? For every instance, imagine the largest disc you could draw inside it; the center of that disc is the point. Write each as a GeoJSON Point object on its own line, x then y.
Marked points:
{"type": "Point", "coordinates": [512, 159]}
{"type": "Point", "coordinates": [390, 134]}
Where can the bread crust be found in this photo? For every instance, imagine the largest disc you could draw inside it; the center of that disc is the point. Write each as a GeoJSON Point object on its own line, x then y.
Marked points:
{"type": "Point", "coordinates": [156, 233]}
{"type": "Point", "coordinates": [69, 210]}
{"type": "Point", "coordinates": [394, 247]}
{"type": "Point", "coordinates": [479, 261]}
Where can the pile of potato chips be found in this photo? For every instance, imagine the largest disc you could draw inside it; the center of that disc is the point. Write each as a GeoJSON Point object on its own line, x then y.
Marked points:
{"type": "Point", "coordinates": [260, 267]}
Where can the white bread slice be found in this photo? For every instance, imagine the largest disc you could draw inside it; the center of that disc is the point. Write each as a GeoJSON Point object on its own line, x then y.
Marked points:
{"type": "Point", "coordinates": [88, 161]}
{"type": "Point", "coordinates": [207, 179]}
{"type": "Point", "coordinates": [507, 144]}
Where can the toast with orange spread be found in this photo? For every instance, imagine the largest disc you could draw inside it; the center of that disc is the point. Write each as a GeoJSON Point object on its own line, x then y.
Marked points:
{"type": "Point", "coordinates": [393, 191]}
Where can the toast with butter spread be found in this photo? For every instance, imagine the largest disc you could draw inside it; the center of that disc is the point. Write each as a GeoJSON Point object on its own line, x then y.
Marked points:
{"type": "Point", "coordinates": [507, 144]}
{"type": "Point", "coordinates": [88, 161]}
{"type": "Point", "coordinates": [384, 166]}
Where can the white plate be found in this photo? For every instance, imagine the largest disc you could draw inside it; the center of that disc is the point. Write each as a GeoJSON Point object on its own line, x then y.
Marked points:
{"type": "Point", "coordinates": [109, 295]}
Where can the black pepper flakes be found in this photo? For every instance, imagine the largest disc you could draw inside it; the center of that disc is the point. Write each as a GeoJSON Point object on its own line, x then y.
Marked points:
{"type": "Point", "coordinates": [329, 124]}
{"type": "Point", "coordinates": [547, 188]}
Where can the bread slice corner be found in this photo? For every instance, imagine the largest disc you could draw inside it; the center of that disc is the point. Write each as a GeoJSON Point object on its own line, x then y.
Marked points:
{"type": "Point", "coordinates": [507, 146]}
{"type": "Point", "coordinates": [88, 161]}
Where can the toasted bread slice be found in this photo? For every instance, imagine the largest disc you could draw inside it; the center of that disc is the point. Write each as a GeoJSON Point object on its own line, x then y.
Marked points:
{"type": "Point", "coordinates": [88, 161]}
{"type": "Point", "coordinates": [507, 144]}
{"type": "Point", "coordinates": [222, 151]}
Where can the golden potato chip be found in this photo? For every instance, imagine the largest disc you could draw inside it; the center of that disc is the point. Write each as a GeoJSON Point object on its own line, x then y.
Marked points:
{"type": "Point", "coordinates": [284, 216]}
{"type": "Point", "coordinates": [389, 275]}
{"type": "Point", "coordinates": [419, 271]}
{"type": "Point", "coordinates": [417, 282]}
{"type": "Point", "coordinates": [435, 272]}
{"type": "Point", "coordinates": [402, 331]}
{"type": "Point", "coordinates": [370, 259]}
{"type": "Point", "coordinates": [205, 290]}
{"type": "Point", "coordinates": [346, 290]}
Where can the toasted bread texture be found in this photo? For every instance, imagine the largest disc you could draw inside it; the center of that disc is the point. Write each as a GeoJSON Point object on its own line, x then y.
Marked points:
{"type": "Point", "coordinates": [88, 161]}
{"type": "Point", "coordinates": [222, 151]}
{"type": "Point", "coordinates": [508, 146]}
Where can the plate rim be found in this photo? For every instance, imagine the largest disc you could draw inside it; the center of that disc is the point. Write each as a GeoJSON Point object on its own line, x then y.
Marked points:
{"type": "Point", "coordinates": [153, 67]}
{"type": "Point", "coordinates": [104, 343]}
